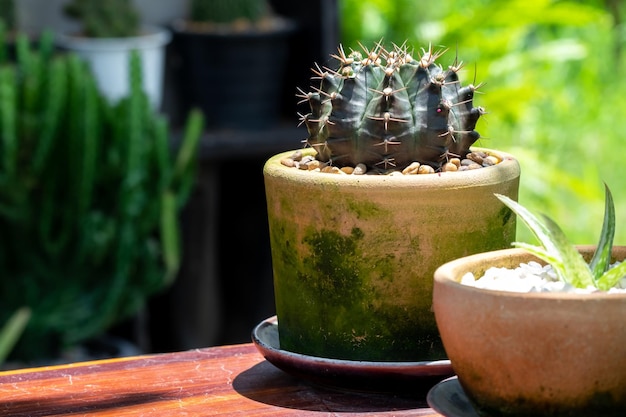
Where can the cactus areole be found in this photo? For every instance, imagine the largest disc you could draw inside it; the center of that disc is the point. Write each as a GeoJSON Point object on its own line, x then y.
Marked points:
{"type": "Point", "coordinates": [353, 256]}
{"type": "Point", "coordinates": [388, 109]}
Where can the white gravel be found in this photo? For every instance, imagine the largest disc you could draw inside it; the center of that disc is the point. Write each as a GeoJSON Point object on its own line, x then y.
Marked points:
{"type": "Point", "coordinates": [529, 277]}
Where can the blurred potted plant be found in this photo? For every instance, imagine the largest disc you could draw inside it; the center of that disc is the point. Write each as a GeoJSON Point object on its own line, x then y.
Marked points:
{"type": "Point", "coordinates": [353, 254]}
{"type": "Point", "coordinates": [554, 348]}
{"type": "Point", "coordinates": [7, 28]}
{"type": "Point", "coordinates": [7, 15]}
{"type": "Point", "coordinates": [235, 50]}
{"type": "Point", "coordinates": [110, 31]}
{"type": "Point", "coordinates": [89, 198]}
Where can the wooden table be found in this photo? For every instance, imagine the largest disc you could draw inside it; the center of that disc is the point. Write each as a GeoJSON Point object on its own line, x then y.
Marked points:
{"type": "Point", "coordinates": [230, 380]}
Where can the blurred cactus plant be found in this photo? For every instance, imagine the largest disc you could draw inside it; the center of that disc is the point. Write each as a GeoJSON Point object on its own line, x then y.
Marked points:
{"type": "Point", "coordinates": [105, 18]}
{"type": "Point", "coordinates": [90, 194]}
{"type": "Point", "coordinates": [227, 11]}
{"type": "Point", "coordinates": [387, 109]}
{"type": "Point", "coordinates": [7, 14]}
{"type": "Point", "coordinates": [12, 330]}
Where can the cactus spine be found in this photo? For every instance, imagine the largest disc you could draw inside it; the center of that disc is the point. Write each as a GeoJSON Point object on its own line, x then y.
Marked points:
{"type": "Point", "coordinates": [388, 109]}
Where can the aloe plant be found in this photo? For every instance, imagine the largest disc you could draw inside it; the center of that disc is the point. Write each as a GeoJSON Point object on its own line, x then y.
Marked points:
{"type": "Point", "coordinates": [566, 261]}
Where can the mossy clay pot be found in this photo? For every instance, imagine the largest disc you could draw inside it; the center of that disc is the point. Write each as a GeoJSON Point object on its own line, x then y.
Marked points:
{"type": "Point", "coordinates": [532, 354]}
{"type": "Point", "coordinates": [354, 255]}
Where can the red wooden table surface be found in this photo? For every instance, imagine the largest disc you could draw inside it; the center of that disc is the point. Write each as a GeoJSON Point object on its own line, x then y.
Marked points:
{"type": "Point", "coordinates": [230, 380]}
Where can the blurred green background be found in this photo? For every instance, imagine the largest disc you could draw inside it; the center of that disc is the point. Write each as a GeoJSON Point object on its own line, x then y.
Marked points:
{"type": "Point", "coordinates": [554, 89]}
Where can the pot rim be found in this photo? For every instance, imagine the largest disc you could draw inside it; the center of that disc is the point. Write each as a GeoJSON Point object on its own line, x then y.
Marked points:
{"type": "Point", "coordinates": [152, 36]}
{"type": "Point", "coordinates": [507, 169]}
{"type": "Point", "coordinates": [280, 26]}
{"type": "Point", "coordinates": [450, 273]}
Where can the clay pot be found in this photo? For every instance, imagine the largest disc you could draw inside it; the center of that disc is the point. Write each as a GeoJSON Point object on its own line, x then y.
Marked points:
{"type": "Point", "coordinates": [353, 255]}
{"type": "Point", "coordinates": [532, 354]}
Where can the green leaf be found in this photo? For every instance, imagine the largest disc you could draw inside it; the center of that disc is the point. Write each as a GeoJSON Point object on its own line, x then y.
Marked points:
{"type": "Point", "coordinates": [189, 145]}
{"type": "Point", "coordinates": [170, 236]}
{"type": "Point", "coordinates": [539, 252]}
{"type": "Point", "coordinates": [535, 225]}
{"type": "Point", "coordinates": [611, 277]}
{"type": "Point", "coordinates": [566, 260]}
{"type": "Point", "coordinates": [12, 330]}
{"type": "Point", "coordinates": [602, 256]}
{"type": "Point", "coordinates": [573, 270]}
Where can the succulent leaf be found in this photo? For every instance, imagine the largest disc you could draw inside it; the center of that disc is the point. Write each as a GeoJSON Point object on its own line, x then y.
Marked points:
{"type": "Point", "coordinates": [556, 249]}
{"type": "Point", "coordinates": [602, 257]}
{"type": "Point", "coordinates": [611, 277]}
{"type": "Point", "coordinates": [566, 261]}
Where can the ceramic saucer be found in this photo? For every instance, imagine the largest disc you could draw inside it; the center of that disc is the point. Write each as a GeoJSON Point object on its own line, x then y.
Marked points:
{"type": "Point", "coordinates": [448, 399]}
{"type": "Point", "coordinates": [347, 374]}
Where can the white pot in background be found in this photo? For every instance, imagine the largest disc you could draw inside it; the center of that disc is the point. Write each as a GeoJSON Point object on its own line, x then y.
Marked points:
{"type": "Point", "coordinates": [108, 59]}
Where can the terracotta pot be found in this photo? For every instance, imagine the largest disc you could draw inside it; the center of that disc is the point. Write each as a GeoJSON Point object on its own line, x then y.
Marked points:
{"type": "Point", "coordinates": [539, 354]}
{"type": "Point", "coordinates": [353, 256]}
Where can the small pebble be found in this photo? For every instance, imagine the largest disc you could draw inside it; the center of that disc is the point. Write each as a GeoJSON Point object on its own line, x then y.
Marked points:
{"type": "Point", "coordinates": [296, 156]}
{"type": "Point", "coordinates": [449, 167]}
{"type": "Point", "coordinates": [412, 169]}
{"type": "Point", "coordinates": [476, 157]}
{"type": "Point", "coordinates": [331, 169]}
{"type": "Point", "coordinates": [527, 277]}
{"type": "Point", "coordinates": [493, 160]}
{"type": "Point", "coordinates": [473, 160]}
{"type": "Point", "coordinates": [306, 159]}
{"type": "Point", "coordinates": [426, 169]}
{"type": "Point", "coordinates": [360, 169]}
{"type": "Point", "coordinates": [288, 162]}
{"type": "Point", "coordinates": [312, 165]}
{"type": "Point", "coordinates": [396, 174]}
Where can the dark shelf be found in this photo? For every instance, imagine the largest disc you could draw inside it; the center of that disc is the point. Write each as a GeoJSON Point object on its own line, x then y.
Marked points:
{"type": "Point", "coordinates": [242, 144]}
{"type": "Point", "coordinates": [225, 284]}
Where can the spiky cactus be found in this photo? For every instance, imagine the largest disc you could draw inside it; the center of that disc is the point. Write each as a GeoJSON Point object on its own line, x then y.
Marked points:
{"type": "Point", "coordinates": [105, 18]}
{"type": "Point", "coordinates": [387, 109]}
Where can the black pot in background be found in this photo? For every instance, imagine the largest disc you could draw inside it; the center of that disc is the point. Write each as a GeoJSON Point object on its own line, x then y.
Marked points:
{"type": "Point", "coordinates": [235, 78]}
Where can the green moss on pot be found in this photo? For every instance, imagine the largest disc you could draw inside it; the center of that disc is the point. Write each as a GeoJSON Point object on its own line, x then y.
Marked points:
{"type": "Point", "coordinates": [353, 256]}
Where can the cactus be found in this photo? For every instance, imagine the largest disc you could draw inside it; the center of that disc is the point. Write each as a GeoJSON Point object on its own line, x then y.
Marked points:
{"type": "Point", "coordinates": [387, 109]}
{"type": "Point", "coordinates": [90, 195]}
{"type": "Point", "coordinates": [226, 11]}
{"type": "Point", "coordinates": [105, 19]}
{"type": "Point", "coordinates": [7, 14]}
